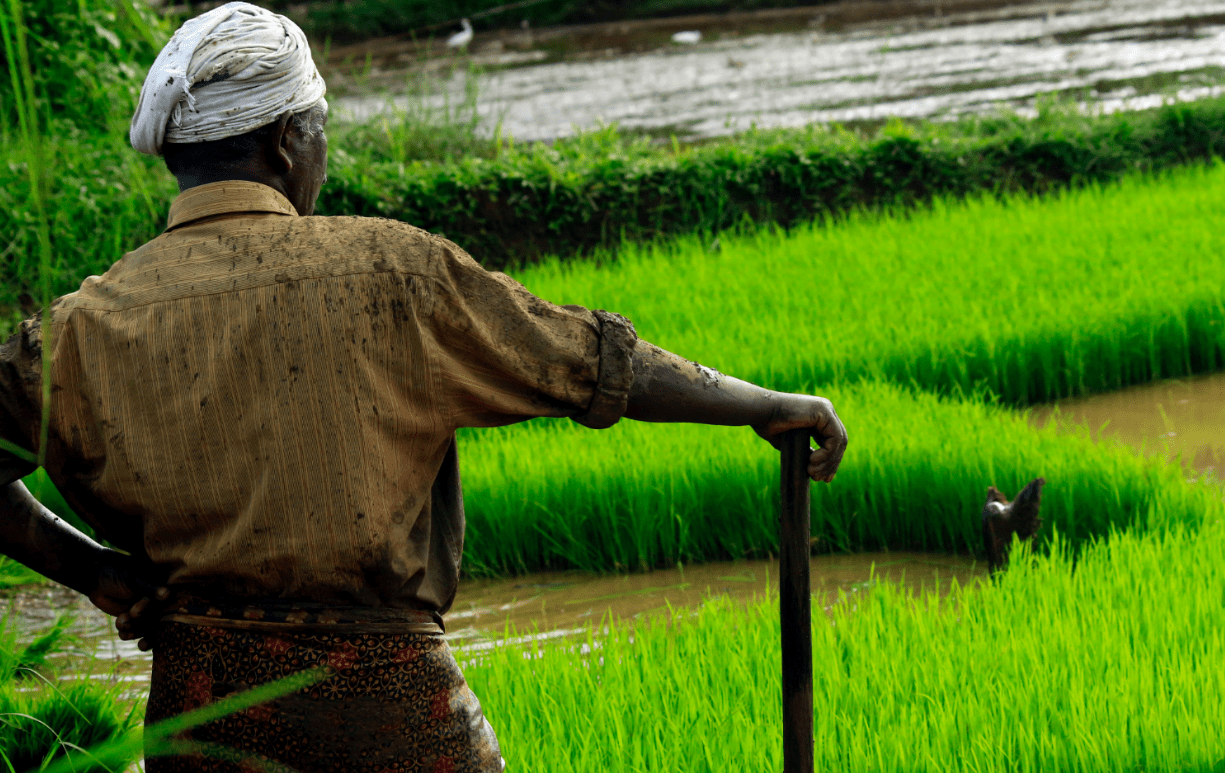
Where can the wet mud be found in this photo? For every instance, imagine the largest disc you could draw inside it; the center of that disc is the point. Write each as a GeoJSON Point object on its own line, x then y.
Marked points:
{"type": "Point", "coordinates": [1108, 54]}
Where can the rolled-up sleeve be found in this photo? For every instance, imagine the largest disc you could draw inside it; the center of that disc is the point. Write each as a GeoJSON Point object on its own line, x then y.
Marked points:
{"type": "Point", "coordinates": [20, 378]}
{"type": "Point", "coordinates": [505, 355]}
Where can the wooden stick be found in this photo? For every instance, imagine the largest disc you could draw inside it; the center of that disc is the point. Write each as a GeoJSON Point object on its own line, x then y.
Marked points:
{"type": "Point", "coordinates": [795, 604]}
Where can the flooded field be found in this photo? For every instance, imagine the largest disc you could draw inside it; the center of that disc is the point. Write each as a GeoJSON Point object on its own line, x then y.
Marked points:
{"type": "Point", "coordinates": [1111, 54]}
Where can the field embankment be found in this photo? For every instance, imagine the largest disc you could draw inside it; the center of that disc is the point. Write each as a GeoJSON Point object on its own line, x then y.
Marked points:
{"type": "Point", "coordinates": [602, 189]}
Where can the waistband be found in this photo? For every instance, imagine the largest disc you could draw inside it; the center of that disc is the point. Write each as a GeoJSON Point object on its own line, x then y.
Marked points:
{"type": "Point", "coordinates": [281, 616]}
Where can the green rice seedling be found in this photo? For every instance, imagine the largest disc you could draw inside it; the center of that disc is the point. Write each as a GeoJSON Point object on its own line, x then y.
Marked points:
{"type": "Point", "coordinates": [41, 716]}
{"type": "Point", "coordinates": [61, 720]}
{"type": "Point", "coordinates": [15, 659]}
{"type": "Point", "coordinates": [1031, 299]}
{"type": "Point", "coordinates": [13, 574]}
{"type": "Point", "coordinates": [122, 747]}
{"type": "Point", "coordinates": [1108, 665]}
{"type": "Point", "coordinates": [18, 661]}
{"type": "Point", "coordinates": [546, 495]}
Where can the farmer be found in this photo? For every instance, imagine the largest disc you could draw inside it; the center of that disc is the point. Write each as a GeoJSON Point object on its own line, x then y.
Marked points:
{"type": "Point", "coordinates": [258, 408]}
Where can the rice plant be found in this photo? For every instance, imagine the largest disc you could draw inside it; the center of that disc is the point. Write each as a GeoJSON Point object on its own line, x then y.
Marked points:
{"type": "Point", "coordinates": [549, 495]}
{"type": "Point", "coordinates": [13, 574]}
{"type": "Point", "coordinates": [1108, 665]}
{"type": "Point", "coordinates": [1030, 299]}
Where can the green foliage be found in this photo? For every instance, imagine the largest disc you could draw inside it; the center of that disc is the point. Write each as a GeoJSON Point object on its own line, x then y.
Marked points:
{"type": "Point", "coordinates": [43, 489]}
{"type": "Point", "coordinates": [602, 188]}
{"type": "Point", "coordinates": [108, 200]}
{"type": "Point", "coordinates": [41, 718]}
{"type": "Point", "coordinates": [56, 722]}
{"type": "Point", "coordinates": [1095, 667]}
{"type": "Point", "coordinates": [88, 59]}
{"type": "Point", "coordinates": [19, 662]}
{"type": "Point", "coordinates": [116, 751]}
{"type": "Point", "coordinates": [13, 574]}
{"type": "Point", "coordinates": [423, 123]}
{"type": "Point", "coordinates": [961, 299]}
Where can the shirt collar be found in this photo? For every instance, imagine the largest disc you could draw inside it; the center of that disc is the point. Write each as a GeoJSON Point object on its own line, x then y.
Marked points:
{"type": "Point", "coordinates": [226, 197]}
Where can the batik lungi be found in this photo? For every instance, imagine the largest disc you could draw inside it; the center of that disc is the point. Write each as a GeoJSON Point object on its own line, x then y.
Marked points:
{"type": "Point", "coordinates": [392, 701]}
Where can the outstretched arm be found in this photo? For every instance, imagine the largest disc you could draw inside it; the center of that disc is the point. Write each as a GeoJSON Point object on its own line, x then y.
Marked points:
{"type": "Point", "coordinates": [668, 388]}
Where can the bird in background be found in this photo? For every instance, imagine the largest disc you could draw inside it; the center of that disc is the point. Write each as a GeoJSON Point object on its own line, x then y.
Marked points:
{"type": "Point", "coordinates": [1001, 519]}
{"type": "Point", "coordinates": [462, 38]}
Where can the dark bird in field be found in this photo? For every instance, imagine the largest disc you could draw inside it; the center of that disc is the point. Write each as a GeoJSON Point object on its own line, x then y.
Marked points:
{"type": "Point", "coordinates": [1001, 519]}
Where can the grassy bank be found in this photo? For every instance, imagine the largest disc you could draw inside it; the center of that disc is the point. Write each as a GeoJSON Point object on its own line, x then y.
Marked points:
{"type": "Point", "coordinates": [603, 189]}
{"type": "Point", "coordinates": [1111, 667]}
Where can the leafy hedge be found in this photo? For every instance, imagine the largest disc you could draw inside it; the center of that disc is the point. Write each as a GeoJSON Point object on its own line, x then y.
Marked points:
{"type": "Point", "coordinates": [593, 191]}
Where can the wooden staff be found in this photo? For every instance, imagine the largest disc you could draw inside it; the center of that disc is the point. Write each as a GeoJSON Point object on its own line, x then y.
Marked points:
{"type": "Point", "coordinates": [795, 604]}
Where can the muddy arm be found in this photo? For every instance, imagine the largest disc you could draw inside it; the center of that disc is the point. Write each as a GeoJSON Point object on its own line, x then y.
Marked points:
{"type": "Point", "coordinates": [38, 538]}
{"type": "Point", "coordinates": [668, 388]}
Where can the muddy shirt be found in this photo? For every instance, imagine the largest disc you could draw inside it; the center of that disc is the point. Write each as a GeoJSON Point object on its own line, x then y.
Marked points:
{"type": "Point", "coordinates": [265, 405]}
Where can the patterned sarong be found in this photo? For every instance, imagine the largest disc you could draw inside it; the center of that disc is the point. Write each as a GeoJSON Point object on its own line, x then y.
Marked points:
{"type": "Point", "coordinates": [392, 701]}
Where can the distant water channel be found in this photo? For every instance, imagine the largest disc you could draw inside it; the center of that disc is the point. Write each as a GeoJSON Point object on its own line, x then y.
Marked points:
{"type": "Point", "coordinates": [1180, 418]}
{"type": "Point", "coordinates": [1172, 417]}
{"type": "Point", "coordinates": [1114, 54]}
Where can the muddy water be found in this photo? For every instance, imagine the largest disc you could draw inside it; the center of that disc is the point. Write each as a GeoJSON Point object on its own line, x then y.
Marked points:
{"type": "Point", "coordinates": [1184, 417]}
{"type": "Point", "coordinates": [539, 606]}
{"type": "Point", "coordinates": [559, 604]}
{"type": "Point", "coordinates": [1116, 54]}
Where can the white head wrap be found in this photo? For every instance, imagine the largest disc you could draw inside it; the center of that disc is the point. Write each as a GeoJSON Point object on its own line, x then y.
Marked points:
{"type": "Point", "coordinates": [225, 73]}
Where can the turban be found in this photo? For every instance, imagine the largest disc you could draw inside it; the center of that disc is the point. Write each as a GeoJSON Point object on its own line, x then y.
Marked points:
{"type": "Point", "coordinates": [225, 73]}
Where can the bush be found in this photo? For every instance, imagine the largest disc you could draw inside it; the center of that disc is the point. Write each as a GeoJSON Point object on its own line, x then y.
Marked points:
{"type": "Point", "coordinates": [88, 59]}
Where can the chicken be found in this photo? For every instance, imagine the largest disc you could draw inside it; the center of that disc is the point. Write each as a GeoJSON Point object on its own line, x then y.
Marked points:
{"type": "Point", "coordinates": [1001, 519]}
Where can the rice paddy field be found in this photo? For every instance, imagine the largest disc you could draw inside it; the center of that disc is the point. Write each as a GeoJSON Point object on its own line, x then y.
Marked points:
{"type": "Point", "coordinates": [931, 330]}
{"type": "Point", "coordinates": [926, 329]}
{"type": "Point", "coordinates": [1111, 664]}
